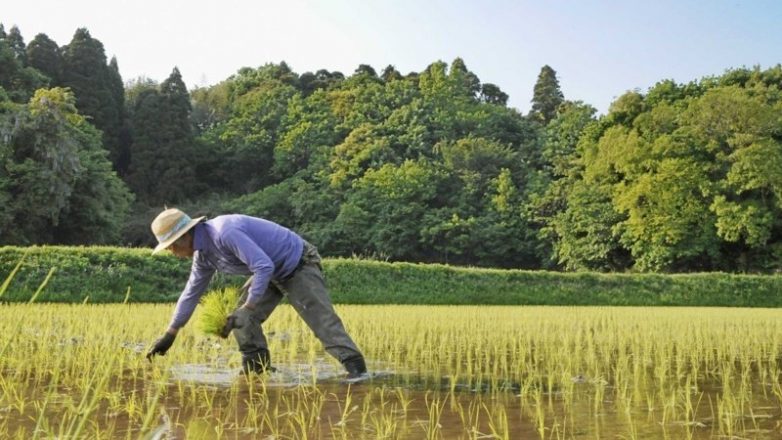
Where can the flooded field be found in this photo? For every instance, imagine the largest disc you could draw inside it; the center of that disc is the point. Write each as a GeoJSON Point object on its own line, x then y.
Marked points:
{"type": "Point", "coordinates": [79, 371]}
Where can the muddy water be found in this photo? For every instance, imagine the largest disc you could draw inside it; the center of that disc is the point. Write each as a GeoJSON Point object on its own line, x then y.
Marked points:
{"type": "Point", "coordinates": [408, 401]}
{"type": "Point", "coordinates": [213, 401]}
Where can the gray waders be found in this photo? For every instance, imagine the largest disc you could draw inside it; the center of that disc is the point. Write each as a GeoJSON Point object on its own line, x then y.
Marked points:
{"type": "Point", "coordinates": [307, 293]}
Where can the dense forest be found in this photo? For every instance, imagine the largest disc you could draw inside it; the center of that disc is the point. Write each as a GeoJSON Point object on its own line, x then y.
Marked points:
{"type": "Point", "coordinates": [429, 166]}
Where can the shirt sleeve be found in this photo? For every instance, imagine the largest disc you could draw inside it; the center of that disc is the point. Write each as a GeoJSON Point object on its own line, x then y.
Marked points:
{"type": "Point", "coordinates": [262, 267]}
{"type": "Point", "coordinates": [200, 275]}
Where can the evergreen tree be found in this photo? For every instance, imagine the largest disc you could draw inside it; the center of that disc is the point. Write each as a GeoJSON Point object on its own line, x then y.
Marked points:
{"type": "Point", "coordinates": [19, 82]}
{"type": "Point", "coordinates": [86, 73]}
{"type": "Point", "coordinates": [463, 78]}
{"type": "Point", "coordinates": [16, 43]}
{"type": "Point", "coordinates": [121, 155]}
{"type": "Point", "coordinates": [3, 35]}
{"type": "Point", "coordinates": [44, 54]}
{"type": "Point", "coordinates": [163, 157]}
{"type": "Point", "coordinates": [546, 96]}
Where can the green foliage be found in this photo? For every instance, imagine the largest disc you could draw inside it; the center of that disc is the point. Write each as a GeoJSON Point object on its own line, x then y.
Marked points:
{"type": "Point", "coordinates": [44, 55]}
{"type": "Point", "coordinates": [63, 189]}
{"type": "Point", "coordinates": [105, 274]}
{"type": "Point", "coordinates": [694, 170]}
{"type": "Point", "coordinates": [546, 96]}
{"type": "Point", "coordinates": [384, 165]}
{"type": "Point", "coordinates": [210, 106]}
{"type": "Point", "coordinates": [164, 157]}
{"type": "Point", "coordinates": [97, 89]}
{"type": "Point", "coordinates": [430, 166]}
{"type": "Point", "coordinates": [250, 135]}
{"type": "Point", "coordinates": [586, 230]}
{"type": "Point", "coordinates": [15, 41]}
{"type": "Point", "coordinates": [18, 80]}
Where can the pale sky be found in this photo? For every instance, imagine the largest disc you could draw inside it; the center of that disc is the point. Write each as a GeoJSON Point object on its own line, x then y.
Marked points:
{"type": "Point", "coordinates": [600, 49]}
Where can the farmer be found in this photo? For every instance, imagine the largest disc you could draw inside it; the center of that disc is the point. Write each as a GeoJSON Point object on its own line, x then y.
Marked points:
{"type": "Point", "coordinates": [279, 262]}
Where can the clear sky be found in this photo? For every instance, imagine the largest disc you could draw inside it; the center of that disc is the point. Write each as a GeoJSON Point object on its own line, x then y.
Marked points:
{"type": "Point", "coordinates": [600, 49]}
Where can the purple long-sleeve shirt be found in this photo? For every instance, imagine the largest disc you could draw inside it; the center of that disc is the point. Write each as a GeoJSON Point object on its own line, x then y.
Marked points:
{"type": "Point", "coordinates": [237, 245]}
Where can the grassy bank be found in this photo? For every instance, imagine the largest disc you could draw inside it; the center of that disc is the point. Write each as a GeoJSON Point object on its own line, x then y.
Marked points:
{"type": "Point", "coordinates": [105, 274]}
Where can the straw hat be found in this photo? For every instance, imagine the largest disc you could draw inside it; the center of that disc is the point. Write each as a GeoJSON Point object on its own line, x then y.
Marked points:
{"type": "Point", "coordinates": [169, 225]}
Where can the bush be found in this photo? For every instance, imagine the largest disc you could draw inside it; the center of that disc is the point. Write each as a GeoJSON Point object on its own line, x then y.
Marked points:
{"type": "Point", "coordinates": [105, 273]}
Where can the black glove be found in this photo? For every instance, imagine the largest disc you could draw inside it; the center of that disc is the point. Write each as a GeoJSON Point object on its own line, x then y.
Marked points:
{"type": "Point", "coordinates": [161, 345]}
{"type": "Point", "coordinates": [238, 319]}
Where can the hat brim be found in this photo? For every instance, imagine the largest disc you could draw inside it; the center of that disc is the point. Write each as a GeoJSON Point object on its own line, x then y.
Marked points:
{"type": "Point", "coordinates": [165, 244]}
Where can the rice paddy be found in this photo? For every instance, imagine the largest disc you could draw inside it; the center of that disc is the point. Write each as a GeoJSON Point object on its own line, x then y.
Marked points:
{"type": "Point", "coordinates": [452, 372]}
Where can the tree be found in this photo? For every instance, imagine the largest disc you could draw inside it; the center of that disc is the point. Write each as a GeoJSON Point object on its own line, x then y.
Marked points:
{"type": "Point", "coordinates": [463, 79]}
{"type": "Point", "coordinates": [163, 154]}
{"type": "Point", "coordinates": [390, 74]}
{"type": "Point", "coordinates": [250, 135]}
{"type": "Point", "coordinates": [322, 79]}
{"type": "Point", "coordinates": [585, 230]}
{"type": "Point", "coordinates": [390, 204]}
{"type": "Point", "coordinates": [547, 96]}
{"type": "Point", "coordinates": [626, 108]}
{"type": "Point", "coordinates": [62, 185]}
{"type": "Point", "coordinates": [120, 132]}
{"type": "Point", "coordinates": [365, 69]}
{"type": "Point", "coordinates": [561, 166]}
{"type": "Point", "coordinates": [491, 94]}
{"type": "Point", "coordinates": [44, 54]}
{"type": "Point", "coordinates": [18, 81]}
{"type": "Point", "coordinates": [211, 106]}
{"type": "Point", "coordinates": [16, 42]}
{"type": "Point", "coordinates": [562, 136]}
{"type": "Point", "coordinates": [86, 73]}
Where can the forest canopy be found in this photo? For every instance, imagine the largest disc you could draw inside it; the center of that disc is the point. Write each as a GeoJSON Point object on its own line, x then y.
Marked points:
{"type": "Point", "coordinates": [428, 166]}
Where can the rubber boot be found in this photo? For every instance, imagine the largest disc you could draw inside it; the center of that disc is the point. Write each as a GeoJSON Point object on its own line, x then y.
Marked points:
{"type": "Point", "coordinates": [257, 363]}
{"type": "Point", "coordinates": [356, 367]}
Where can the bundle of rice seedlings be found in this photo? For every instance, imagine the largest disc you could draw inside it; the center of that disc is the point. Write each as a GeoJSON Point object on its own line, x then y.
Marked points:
{"type": "Point", "coordinates": [216, 305]}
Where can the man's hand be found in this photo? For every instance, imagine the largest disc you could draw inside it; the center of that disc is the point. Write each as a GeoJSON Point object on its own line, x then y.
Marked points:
{"type": "Point", "coordinates": [238, 319]}
{"type": "Point", "coordinates": [161, 345]}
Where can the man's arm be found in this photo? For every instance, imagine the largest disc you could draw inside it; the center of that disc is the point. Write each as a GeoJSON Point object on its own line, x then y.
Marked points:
{"type": "Point", "coordinates": [257, 261]}
{"type": "Point", "coordinates": [200, 275]}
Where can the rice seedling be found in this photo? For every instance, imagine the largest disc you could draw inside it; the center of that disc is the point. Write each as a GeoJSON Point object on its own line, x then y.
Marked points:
{"type": "Point", "coordinates": [214, 309]}
{"type": "Point", "coordinates": [78, 371]}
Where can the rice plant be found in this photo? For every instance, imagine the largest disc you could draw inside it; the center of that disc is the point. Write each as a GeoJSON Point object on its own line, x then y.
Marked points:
{"type": "Point", "coordinates": [461, 372]}
{"type": "Point", "coordinates": [214, 308]}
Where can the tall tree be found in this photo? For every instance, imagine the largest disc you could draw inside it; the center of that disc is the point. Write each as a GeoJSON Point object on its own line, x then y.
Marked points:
{"type": "Point", "coordinates": [120, 155]}
{"type": "Point", "coordinates": [463, 79]}
{"type": "Point", "coordinates": [86, 72]}
{"type": "Point", "coordinates": [163, 157]}
{"type": "Point", "coordinates": [44, 54]}
{"type": "Point", "coordinates": [547, 96]}
{"type": "Point", "coordinates": [18, 81]}
{"type": "Point", "coordinates": [16, 43]}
